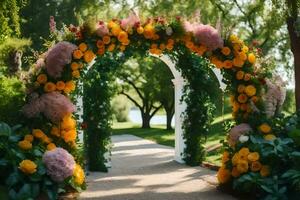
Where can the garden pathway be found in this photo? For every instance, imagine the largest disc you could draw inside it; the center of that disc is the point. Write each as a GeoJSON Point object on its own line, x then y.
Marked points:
{"type": "Point", "coordinates": [144, 170]}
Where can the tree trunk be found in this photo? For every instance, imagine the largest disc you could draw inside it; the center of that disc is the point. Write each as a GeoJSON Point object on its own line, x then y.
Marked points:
{"type": "Point", "coordinates": [170, 114]}
{"type": "Point", "coordinates": [295, 47]}
{"type": "Point", "coordinates": [146, 120]}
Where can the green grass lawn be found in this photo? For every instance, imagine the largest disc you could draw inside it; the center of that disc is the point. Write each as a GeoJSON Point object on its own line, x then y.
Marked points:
{"type": "Point", "coordinates": [159, 135]}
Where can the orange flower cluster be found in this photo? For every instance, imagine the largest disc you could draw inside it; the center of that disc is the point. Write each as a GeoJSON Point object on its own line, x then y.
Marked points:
{"type": "Point", "coordinates": [241, 162]}
{"type": "Point", "coordinates": [67, 130]}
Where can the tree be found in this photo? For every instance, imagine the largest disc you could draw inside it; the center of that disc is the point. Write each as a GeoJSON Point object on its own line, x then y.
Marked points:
{"type": "Point", "coordinates": [147, 83]}
{"type": "Point", "coordinates": [165, 91]}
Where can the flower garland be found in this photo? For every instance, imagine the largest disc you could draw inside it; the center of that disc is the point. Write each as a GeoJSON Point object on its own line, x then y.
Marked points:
{"type": "Point", "coordinates": [57, 72]}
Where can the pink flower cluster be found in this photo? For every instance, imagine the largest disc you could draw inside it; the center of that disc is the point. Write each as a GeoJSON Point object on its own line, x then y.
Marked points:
{"type": "Point", "coordinates": [132, 20]}
{"type": "Point", "coordinates": [52, 24]}
{"type": "Point", "coordinates": [205, 34]}
{"type": "Point", "coordinates": [53, 105]}
{"type": "Point", "coordinates": [101, 29]}
{"type": "Point", "coordinates": [57, 57]}
{"type": "Point", "coordinates": [59, 164]}
{"type": "Point", "coordinates": [237, 131]}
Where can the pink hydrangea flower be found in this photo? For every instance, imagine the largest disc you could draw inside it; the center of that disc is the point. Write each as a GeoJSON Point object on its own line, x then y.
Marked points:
{"type": "Point", "coordinates": [57, 57]}
{"type": "Point", "coordinates": [130, 21]}
{"type": "Point", "coordinates": [53, 105]}
{"type": "Point", "coordinates": [208, 36]}
{"type": "Point", "coordinates": [101, 29]}
{"type": "Point", "coordinates": [237, 131]}
{"type": "Point", "coordinates": [59, 164]}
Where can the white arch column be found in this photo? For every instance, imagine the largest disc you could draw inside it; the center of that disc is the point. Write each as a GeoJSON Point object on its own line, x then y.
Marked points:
{"type": "Point", "coordinates": [180, 107]}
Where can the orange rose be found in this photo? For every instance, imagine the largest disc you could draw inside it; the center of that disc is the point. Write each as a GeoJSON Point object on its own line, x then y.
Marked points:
{"type": "Point", "coordinates": [247, 77]}
{"type": "Point", "coordinates": [74, 66]}
{"type": "Point", "coordinates": [111, 47]}
{"type": "Point", "coordinates": [49, 87]}
{"type": "Point", "coordinates": [60, 85]}
{"type": "Point", "coordinates": [100, 43]}
{"type": "Point", "coordinates": [76, 74]}
{"type": "Point", "coordinates": [42, 78]}
{"type": "Point", "coordinates": [77, 54]}
{"type": "Point", "coordinates": [122, 48]}
{"type": "Point", "coordinates": [241, 88]}
{"type": "Point", "coordinates": [227, 64]}
{"type": "Point", "coordinates": [89, 56]}
{"type": "Point", "coordinates": [140, 30]}
{"type": "Point", "coordinates": [101, 51]}
{"type": "Point", "coordinates": [242, 166]}
{"type": "Point", "coordinates": [123, 36]}
{"type": "Point", "coordinates": [235, 173]}
{"type": "Point", "coordinates": [223, 175]}
{"type": "Point", "coordinates": [251, 58]}
{"type": "Point", "coordinates": [240, 75]}
{"type": "Point", "coordinates": [250, 90]}
{"type": "Point", "coordinates": [38, 133]}
{"type": "Point", "coordinates": [25, 145]}
{"type": "Point", "coordinates": [106, 40]}
{"type": "Point", "coordinates": [242, 56]}
{"type": "Point", "coordinates": [29, 138]}
{"type": "Point", "coordinates": [255, 166]}
{"type": "Point", "coordinates": [242, 98]}
{"type": "Point", "coordinates": [254, 156]}
{"type": "Point", "coordinates": [226, 51]}
{"type": "Point", "coordinates": [83, 47]}
{"type": "Point", "coordinates": [51, 146]}
{"type": "Point", "coordinates": [237, 62]}
{"type": "Point", "coordinates": [265, 171]}
{"type": "Point", "coordinates": [70, 85]}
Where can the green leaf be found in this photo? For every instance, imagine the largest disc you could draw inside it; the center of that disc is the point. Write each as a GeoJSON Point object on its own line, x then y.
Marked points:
{"type": "Point", "coordinates": [266, 188]}
{"type": "Point", "coordinates": [12, 194]}
{"type": "Point", "coordinates": [25, 192]}
{"type": "Point", "coordinates": [5, 130]}
{"type": "Point", "coordinates": [12, 179]}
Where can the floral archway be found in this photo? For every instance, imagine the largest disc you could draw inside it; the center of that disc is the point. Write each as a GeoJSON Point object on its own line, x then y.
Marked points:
{"type": "Point", "coordinates": [194, 47]}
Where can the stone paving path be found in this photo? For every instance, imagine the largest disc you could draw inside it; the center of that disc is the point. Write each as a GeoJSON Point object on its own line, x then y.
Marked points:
{"type": "Point", "coordinates": [144, 170]}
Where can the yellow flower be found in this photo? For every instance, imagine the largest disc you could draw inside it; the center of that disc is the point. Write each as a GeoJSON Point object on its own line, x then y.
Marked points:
{"type": "Point", "coordinates": [254, 156]}
{"type": "Point", "coordinates": [60, 85]}
{"type": "Point", "coordinates": [116, 30]}
{"type": "Point", "coordinates": [233, 38]}
{"type": "Point", "coordinates": [245, 49]}
{"type": "Point", "coordinates": [106, 40]}
{"type": "Point", "coordinates": [265, 128]}
{"type": "Point", "coordinates": [78, 175]}
{"type": "Point", "coordinates": [250, 90]}
{"type": "Point", "coordinates": [38, 133]}
{"type": "Point", "coordinates": [149, 31]}
{"type": "Point", "coordinates": [226, 51]}
{"type": "Point", "coordinates": [27, 167]}
{"type": "Point", "coordinates": [242, 166]}
{"type": "Point", "coordinates": [111, 47]}
{"type": "Point", "coordinates": [243, 153]}
{"type": "Point", "coordinates": [68, 123]}
{"type": "Point", "coordinates": [242, 56]}
{"type": "Point", "coordinates": [242, 98]}
{"type": "Point", "coordinates": [255, 166]}
{"type": "Point", "coordinates": [140, 30]}
{"type": "Point", "coordinates": [76, 74]}
{"type": "Point", "coordinates": [240, 75]}
{"type": "Point", "coordinates": [223, 175]}
{"type": "Point", "coordinates": [55, 131]}
{"type": "Point", "coordinates": [46, 139]}
{"type": "Point", "coordinates": [225, 157]}
{"type": "Point", "coordinates": [77, 54]}
{"type": "Point", "coordinates": [265, 171]}
{"type": "Point", "coordinates": [25, 145]}
{"type": "Point", "coordinates": [237, 62]}
{"type": "Point", "coordinates": [89, 56]}
{"type": "Point", "coordinates": [123, 36]}
{"type": "Point", "coordinates": [251, 58]}
{"type": "Point", "coordinates": [69, 136]}
{"type": "Point", "coordinates": [29, 138]}
{"type": "Point", "coordinates": [83, 47]}
{"type": "Point", "coordinates": [122, 48]}
{"type": "Point", "coordinates": [235, 159]}
{"type": "Point", "coordinates": [49, 87]}
{"type": "Point", "coordinates": [70, 85]}
{"type": "Point", "coordinates": [270, 137]}
{"type": "Point", "coordinates": [235, 173]}
{"type": "Point", "coordinates": [51, 146]}
{"type": "Point", "coordinates": [74, 66]}
{"type": "Point", "coordinates": [241, 88]}
{"type": "Point", "coordinates": [42, 79]}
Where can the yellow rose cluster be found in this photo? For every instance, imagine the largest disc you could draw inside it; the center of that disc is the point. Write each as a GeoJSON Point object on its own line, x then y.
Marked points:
{"type": "Point", "coordinates": [67, 130]}
{"type": "Point", "coordinates": [242, 162]}
{"type": "Point", "coordinates": [78, 175]}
